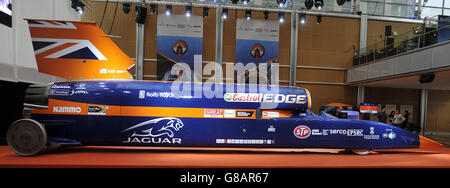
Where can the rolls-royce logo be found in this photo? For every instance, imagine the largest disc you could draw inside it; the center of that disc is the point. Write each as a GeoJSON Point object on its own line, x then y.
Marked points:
{"type": "Point", "coordinates": [179, 48]}
{"type": "Point", "coordinates": [257, 51]}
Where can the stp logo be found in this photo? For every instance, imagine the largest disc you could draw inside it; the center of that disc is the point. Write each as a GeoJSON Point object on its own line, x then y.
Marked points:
{"type": "Point", "coordinates": [302, 131]}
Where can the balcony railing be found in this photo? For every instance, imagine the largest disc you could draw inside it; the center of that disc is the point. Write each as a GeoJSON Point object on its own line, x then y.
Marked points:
{"type": "Point", "coordinates": [397, 45]}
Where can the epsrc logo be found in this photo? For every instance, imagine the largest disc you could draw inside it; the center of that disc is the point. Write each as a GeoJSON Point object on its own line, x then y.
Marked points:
{"type": "Point", "coordinates": [302, 131]}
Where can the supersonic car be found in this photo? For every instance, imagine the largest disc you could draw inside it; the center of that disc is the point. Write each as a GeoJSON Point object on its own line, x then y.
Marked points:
{"type": "Point", "coordinates": [150, 113]}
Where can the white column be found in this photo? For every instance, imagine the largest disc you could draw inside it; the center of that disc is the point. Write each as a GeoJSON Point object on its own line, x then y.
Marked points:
{"type": "Point", "coordinates": [423, 109]}
{"type": "Point", "coordinates": [139, 51]}
{"type": "Point", "coordinates": [360, 96]}
{"type": "Point", "coordinates": [363, 33]}
{"type": "Point", "coordinates": [219, 43]}
{"type": "Point", "coordinates": [293, 50]}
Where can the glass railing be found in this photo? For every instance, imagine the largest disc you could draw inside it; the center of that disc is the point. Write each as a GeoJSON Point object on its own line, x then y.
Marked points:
{"type": "Point", "coordinates": [396, 45]}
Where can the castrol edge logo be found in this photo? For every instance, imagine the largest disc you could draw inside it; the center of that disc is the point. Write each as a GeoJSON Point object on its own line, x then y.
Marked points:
{"type": "Point", "coordinates": [267, 98]}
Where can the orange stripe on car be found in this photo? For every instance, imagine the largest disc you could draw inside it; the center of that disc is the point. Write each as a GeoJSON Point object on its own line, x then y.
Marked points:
{"type": "Point", "coordinates": [76, 108]}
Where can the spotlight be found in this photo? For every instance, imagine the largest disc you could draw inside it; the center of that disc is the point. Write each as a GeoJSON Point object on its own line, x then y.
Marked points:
{"type": "Point", "coordinates": [188, 10]}
{"type": "Point", "coordinates": [168, 10]}
{"type": "Point", "coordinates": [126, 7]}
{"type": "Point", "coordinates": [141, 15]}
{"type": "Point", "coordinates": [248, 14]}
{"type": "Point", "coordinates": [340, 2]}
{"type": "Point", "coordinates": [281, 17]}
{"type": "Point", "coordinates": [78, 6]}
{"type": "Point", "coordinates": [319, 19]}
{"type": "Point", "coordinates": [302, 17]}
{"type": "Point", "coordinates": [266, 15]}
{"type": "Point", "coordinates": [205, 12]}
{"type": "Point", "coordinates": [153, 8]}
{"type": "Point", "coordinates": [225, 13]}
{"type": "Point", "coordinates": [281, 3]}
{"type": "Point", "coordinates": [319, 4]}
{"type": "Point", "coordinates": [245, 2]}
{"type": "Point", "coordinates": [309, 4]}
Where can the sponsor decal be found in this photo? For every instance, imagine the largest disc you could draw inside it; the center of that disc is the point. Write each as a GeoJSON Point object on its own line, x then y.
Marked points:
{"type": "Point", "coordinates": [343, 132]}
{"type": "Point", "coordinates": [80, 86]}
{"type": "Point", "coordinates": [302, 131]}
{"type": "Point", "coordinates": [160, 94]}
{"type": "Point", "coordinates": [347, 132]}
{"type": "Point", "coordinates": [270, 114]}
{"type": "Point", "coordinates": [83, 92]}
{"type": "Point", "coordinates": [355, 132]}
{"type": "Point", "coordinates": [213, 113]}
{"type": "Point", "coordinates": [229, 113]}
{"type": "Point", "coordinates": [155, 131]}
{"type": "Point", "coordinates": [110, 71]}
{"type": "Point", "coordinates": [66, 109]}
{"type": "Point", "coordinates": [97, 110]}
{"type": "Point", "coordinates": [244, 113]}
{"type": "Point", "coordinates": [243, 97]}
{"type": "Point", "coordinates": [141, 94]}
{"type": "Point", "coordinates": [60, 86]}
{"type": "Point", "coordinates": [271, 129]}
{"type": "Point", "coordinates": [391, 135]}
{"type": "Point", "coordinates": [244, 141]}
{"type": "Point", "coordinates": [371, 135]}
{"type": "Point", "coordinates": [267, 98]}
{"type": "Point", "coordinates": [61, 92]}
{"type": "Point", "coordinates": [316, 132]}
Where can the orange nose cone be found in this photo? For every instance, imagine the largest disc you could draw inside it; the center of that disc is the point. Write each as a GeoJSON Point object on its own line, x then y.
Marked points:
{"type": "Point", "coordinates": [428, 143]}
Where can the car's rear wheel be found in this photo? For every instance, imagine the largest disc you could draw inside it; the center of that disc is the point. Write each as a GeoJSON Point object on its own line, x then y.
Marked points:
{"type": "Point", "coordinates": [27, 137]}
{"type": "Point", "coordinates": [361, 151]}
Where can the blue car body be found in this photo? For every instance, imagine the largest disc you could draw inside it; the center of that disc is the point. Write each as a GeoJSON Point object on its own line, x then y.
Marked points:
{"type": "Point", "coordinates": [150, 113]}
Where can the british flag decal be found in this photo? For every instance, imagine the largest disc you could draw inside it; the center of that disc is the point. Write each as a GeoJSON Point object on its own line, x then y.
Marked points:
{"type": "Point", "coordinates": [77, 50]}
{"type": "Point", "coordinates": [82, 49]}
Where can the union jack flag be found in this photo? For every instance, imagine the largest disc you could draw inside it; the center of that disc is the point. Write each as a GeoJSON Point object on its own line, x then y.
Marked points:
{"type": "Point", "coordinates": [77, 50]}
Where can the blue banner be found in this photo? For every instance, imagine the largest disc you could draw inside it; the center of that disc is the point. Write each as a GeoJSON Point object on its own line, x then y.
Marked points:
{"type": "Point", "coordinates": [257, 42]}
{"type": "Point", "coordinates": [179, 40]}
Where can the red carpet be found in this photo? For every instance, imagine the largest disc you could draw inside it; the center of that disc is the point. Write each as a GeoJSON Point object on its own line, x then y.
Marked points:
{"type": "Point", "coordinates": [163, 157]}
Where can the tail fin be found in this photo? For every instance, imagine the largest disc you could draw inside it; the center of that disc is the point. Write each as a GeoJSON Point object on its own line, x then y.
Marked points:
{"type": "Point", "coordinates": [77, 50]}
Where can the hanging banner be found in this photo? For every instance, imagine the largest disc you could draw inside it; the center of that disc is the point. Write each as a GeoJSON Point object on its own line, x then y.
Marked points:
{"type": "Point", "coordinates": [179, 39]}
{"type": "Point", "coordinates": [257, 42]}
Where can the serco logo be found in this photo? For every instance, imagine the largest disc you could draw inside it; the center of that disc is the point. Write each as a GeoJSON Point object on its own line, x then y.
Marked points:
{"type": "Point", "coordinates": [302, 131]}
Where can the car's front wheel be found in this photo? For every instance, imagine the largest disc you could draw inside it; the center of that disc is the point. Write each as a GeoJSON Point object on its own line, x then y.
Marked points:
{"type": "Point", "coordinates": [361, 151]}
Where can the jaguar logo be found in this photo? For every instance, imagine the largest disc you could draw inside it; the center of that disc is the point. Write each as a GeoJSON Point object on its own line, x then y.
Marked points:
{"type": "Point", "coordinates": [179, 48]}
{"type": "Point", "coordinates": [157, 127]}
{"type": "Point", "coordinates": [257, 51]}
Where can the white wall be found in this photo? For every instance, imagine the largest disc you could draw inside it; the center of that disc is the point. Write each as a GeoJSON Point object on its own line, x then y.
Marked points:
{"type": "Point", "coordinates": [17, 61]}
{"type": "Point", "coordinates": [6, 54]}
